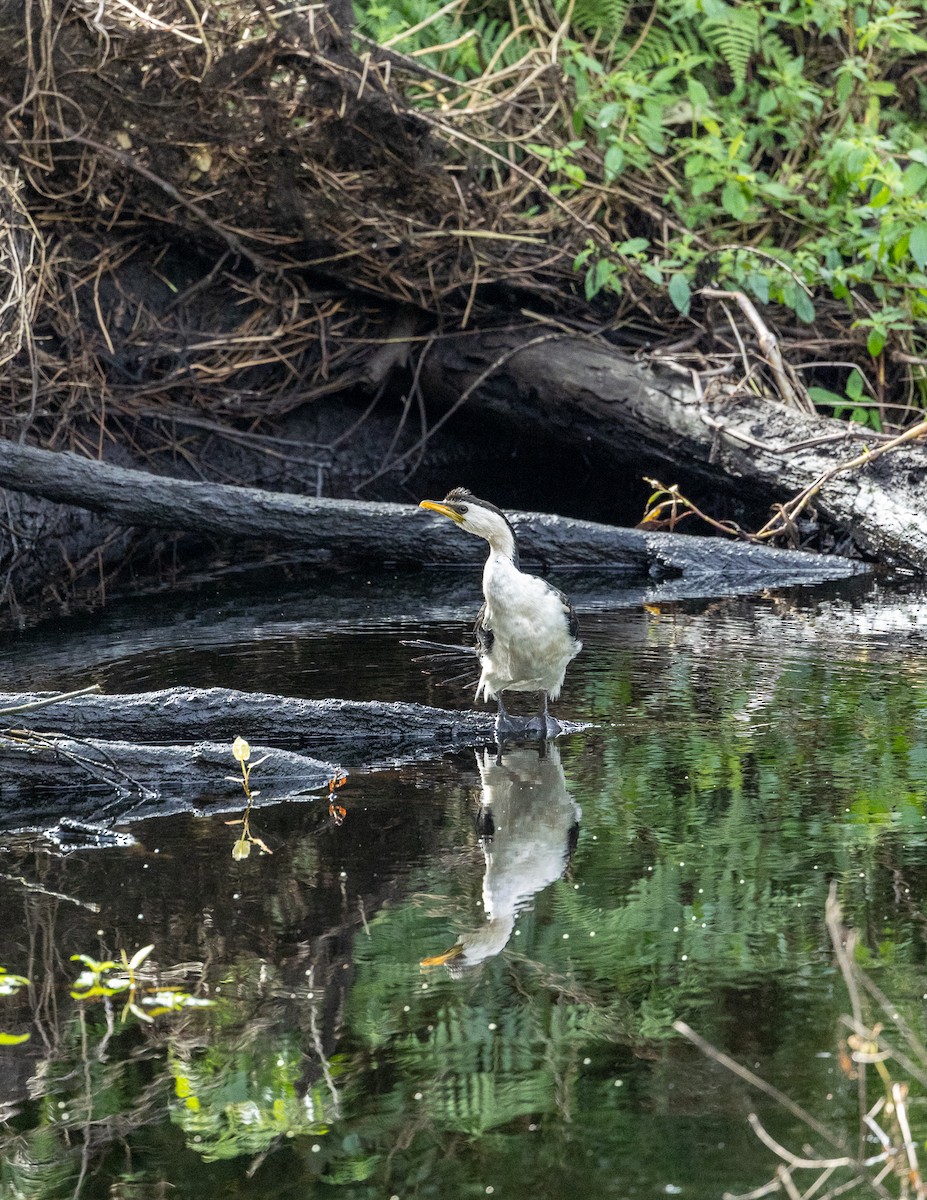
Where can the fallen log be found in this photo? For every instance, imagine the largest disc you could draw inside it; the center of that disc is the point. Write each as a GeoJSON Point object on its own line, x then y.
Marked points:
{"type": "Point", "coordinates": [50, 778]}
{"type": "Point", "coordinates": [354, 732]}
{"type": "Point", "coordinates": [654, 420]}
{"type": "Point", "coordinates": [339, 531]}
{"type": "Point", "coordinates": [91, 759]}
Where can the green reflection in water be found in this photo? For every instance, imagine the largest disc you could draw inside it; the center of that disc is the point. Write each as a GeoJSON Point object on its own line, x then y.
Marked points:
{"type": "Point", "coordinates": [731, 779]}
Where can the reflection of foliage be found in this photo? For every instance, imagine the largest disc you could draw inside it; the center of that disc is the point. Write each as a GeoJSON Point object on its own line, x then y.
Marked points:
{"type": "Point", "coordinates": [232, 1101]}
{"type": "Point", "coordinates": [714, 814]}
{"type": "Point", "coordinates": [97, 1081]}
{"type": "Point", "coordinates": [144, 999]}
{"type": "Point", "coordinates": [712, 823]}
{"type": "Point", "coordinates": [36, 1167]}
{"type": "Point", "coordinates": [880, 1150]}
{"type": "Point", "coordinates": [93, 1090]}
{"type": "Point", "coordinates": [9, 986]}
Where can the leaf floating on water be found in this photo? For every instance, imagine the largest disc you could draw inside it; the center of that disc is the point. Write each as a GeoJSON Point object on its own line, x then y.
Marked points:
{"type": "Point", "coordinates": [241, 849]}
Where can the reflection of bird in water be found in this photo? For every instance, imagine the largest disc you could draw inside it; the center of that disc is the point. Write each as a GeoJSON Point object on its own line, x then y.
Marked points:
{"type": "Point", "coordinates": [528, 824]}
{"type": "Point", "coordinates": [526, 631]}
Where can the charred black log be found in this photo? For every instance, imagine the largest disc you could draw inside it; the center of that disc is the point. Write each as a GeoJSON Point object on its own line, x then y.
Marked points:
{"type": "Point", "coordinates": [341, 531]}
{"type": "Point", "coordinates": [115, 759]}
{"type": "Point", "coordinates": [352, 731]}
{"type": "Point", "coordinates": [49, 778]}
{"type": "Point", "coordinates": [590, 393]}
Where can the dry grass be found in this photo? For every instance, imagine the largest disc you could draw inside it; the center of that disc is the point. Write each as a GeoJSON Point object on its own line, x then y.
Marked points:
{"type": "Point", "coordinates": [881, 1157]}
{"type": "Point", "coordinates": [177, 185]}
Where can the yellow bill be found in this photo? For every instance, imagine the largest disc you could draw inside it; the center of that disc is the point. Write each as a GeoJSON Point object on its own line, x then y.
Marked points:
{"type": "Point", "coordinates": [440, 959]}
{"type": "Point", "coordinates": [444, 509]}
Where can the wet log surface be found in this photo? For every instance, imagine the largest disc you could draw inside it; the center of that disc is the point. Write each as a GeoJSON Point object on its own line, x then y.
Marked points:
{"type": "Point", "coordinates": [106, 782]}
{"type": "Point", "coordinates": [352, 731]}
{"type": "Point", "coordinates": [592, 394]}
{"type": "Point", "coordinates": [327, 530]}
{"type": "Point", "coordinates": [109, 760]}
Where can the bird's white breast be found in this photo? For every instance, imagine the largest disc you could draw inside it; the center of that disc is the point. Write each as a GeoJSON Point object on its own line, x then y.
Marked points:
{"type": "Point", "coordinates": [532, 644]}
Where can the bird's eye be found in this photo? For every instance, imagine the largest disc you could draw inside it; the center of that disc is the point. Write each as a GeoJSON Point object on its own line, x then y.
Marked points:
{"type": "Point", "coordinates": [462, 510]}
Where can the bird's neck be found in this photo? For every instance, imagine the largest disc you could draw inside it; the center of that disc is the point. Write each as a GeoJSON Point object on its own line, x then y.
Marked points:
{"type": "Point", "coordinates": [500, 567]}
{"type": "Point", "coordinates": [500, 577]}
{"type": "Point", "coordinates": [502, 546]}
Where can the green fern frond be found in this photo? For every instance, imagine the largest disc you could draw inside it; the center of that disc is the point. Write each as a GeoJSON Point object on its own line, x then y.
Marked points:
{"type": "Point", "coordinates": [776, 50]}
{"type": "Point", "coordinates": [595, 16]}
{"type": "Point", "coordinates": [660, 47]}
{"type": "Point", "coordinates": [491, 34]}
{"type": "Point", "coordinates": [736, 38]}
{"type": "Point", "coordinates": [464, 60]}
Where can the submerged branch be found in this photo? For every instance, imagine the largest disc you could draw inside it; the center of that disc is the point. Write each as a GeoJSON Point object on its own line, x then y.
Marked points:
{"type": "Point", "coordinates": [760, 1084]}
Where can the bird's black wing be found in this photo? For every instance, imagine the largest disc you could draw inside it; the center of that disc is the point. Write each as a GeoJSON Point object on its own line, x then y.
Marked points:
{"type": "Point", "coordinates": [572, 618]}
{"type": "Point", "coordinates": [484, 635]}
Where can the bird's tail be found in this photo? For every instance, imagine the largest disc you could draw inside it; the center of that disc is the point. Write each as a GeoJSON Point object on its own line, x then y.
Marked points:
{"type": "Point", "coordinates": [439, 650]}
{"type": "Point", "coordinates": [440, 656]}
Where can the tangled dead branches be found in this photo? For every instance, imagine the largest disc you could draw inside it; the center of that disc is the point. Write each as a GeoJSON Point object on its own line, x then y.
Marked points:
{"type": "Point", "coordinates": [169, 164]}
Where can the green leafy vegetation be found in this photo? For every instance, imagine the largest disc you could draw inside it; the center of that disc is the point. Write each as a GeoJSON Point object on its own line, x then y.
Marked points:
{"type": "Point", "coordinates": [780, 150]}
{"type": "Point", "coordinates": [241, 849]}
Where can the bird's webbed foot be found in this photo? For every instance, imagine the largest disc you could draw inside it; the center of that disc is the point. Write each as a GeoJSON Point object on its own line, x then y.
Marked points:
{"type": "Point", "coordinates": [543, 726]}
{"type": "Point", "coordinates": [506, 726]}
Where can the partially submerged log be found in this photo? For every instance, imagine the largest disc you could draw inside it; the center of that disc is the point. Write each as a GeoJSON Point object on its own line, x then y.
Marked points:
{"type": "Point", "coordinates": [113, 760]}
{"type": "Point", "coordinates": [591, 393]}
{"type": "Point", "coordinates": [109, 782]}
{"type": "Point", "coordinates": [340, 531]}
{"type": "Point", "coordinates": [353, 732]}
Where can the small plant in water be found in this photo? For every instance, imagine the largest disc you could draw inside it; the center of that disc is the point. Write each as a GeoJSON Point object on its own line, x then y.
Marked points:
{"type": "Point", "coordinates": [9, 986]}
{"type": "Point", "coordinates": [242, 848]}
{"type": "Point", "coordinates": [110, 977]}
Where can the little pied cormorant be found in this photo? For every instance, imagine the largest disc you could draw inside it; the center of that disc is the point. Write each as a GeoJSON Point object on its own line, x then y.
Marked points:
{"type": "Point", "coordinates": [526, 630]}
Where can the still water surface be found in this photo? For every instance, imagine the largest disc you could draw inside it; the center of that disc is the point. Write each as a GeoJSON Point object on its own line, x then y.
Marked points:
{"type": "Point", "coordinates": [671, 861]}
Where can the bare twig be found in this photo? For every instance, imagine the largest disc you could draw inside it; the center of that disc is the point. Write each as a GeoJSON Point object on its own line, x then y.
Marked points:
{"type": "Point", "coordinates": [791, 390]}
{"type": "Point", "coordinates": [795, 506]}
{"type": "Point", "coordinates": [93, 689]}
{"type": "Point", "coordinates": [760, 1084]}
{"type": "Point", "coordinates": [794, 1160]}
